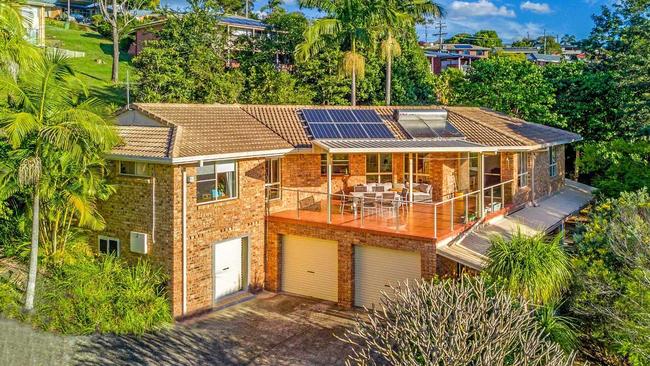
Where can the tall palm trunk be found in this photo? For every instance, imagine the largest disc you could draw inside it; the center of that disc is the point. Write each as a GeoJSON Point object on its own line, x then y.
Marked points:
{"type": "Point", "coordinates": [353, 96]}
{"type": "Point", "coordinates": [116, 45]}
{"type": "Point", "coordinates": [389, 74]}
{"type": "Point", "coordinates": [33, 258]}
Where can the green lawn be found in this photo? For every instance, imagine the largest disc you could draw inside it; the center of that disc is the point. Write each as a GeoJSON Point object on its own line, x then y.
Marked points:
{"type": "Point", "coordinates": [95, 68]}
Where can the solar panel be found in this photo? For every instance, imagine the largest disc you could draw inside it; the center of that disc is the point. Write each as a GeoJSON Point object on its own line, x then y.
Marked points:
{"type": "Point", "coordinates": [324, 131]}
{"type": "Point", "coordinates": [367, 116]}
{"type": "Point", "coordinates": [376, 130]}
{"type": "Point", "coordinates": [345, 124]}
{"type": "Point", "coordinates": [316, 115]}
{"type": "Point", "coordinates": [462, 46]}
{"type": "Point", "coordinates": [352, 130]}
{"type": "Point", "coordinates": [417, 128]}
{"type": "Point", "coordinates": [427, 124]}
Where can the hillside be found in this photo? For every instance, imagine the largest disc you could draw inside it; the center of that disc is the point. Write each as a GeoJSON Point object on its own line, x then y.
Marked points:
{"type": "Point", "coordinates": [95, 68]}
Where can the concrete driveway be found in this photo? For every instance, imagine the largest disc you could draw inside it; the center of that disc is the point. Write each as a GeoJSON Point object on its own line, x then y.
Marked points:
{"type": "Point", "coordinates": [268, 330]}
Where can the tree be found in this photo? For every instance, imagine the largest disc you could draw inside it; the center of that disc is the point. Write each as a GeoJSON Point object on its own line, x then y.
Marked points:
{"type": "Point", "coordinates": [524, 42]}
{"type": "Point", "coordinates": [617, 166]}
{"type": "Point", "coordinates": [568, 39]}
{"type": "Point", "coordinates": [15, 51]}
{"type": "Point", "coordinates": [188, 64]}
{"type": "Point", "coordinates": [611, 293]}
{"type": "Point", "coordinates": [464, 322]}
{"type": "Point", "coordinates": [487, 38]}
{"type": "Point", "coordinates": [47, 115]}
{"type": "Point", "coordinates": [530, 266]}
{"type": "Point", "coordinates": [347, 20]}
{"type": "Point", "coordinates": [459, 38]}
{"type": "Point", "coordinates": [391, 18]}
{"type": "Point", "coordinates": [548, 45]}
{"type": "Point", "coordinates": [515, 87]}
{"type": "Point", "coordinates": [117, 13]}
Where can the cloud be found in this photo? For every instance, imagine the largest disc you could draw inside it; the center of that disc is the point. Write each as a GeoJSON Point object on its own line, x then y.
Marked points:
{"type": "Point", "coordinates": [462, 9]}
{"type": "Point", "coordinates": [540, 8]}
{"type": "Point", "coordinates": [507, 29]}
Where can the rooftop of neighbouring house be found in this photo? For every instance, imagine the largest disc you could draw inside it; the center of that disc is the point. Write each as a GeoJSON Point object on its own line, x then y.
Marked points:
{"type": "Point", "coordinates": [464, 46]}
{"type": "Point", "coordinates": [182, 131]}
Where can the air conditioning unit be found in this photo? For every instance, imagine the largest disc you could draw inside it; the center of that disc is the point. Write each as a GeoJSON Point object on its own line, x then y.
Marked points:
{"type": "Point", "coordinates": [138, 242]}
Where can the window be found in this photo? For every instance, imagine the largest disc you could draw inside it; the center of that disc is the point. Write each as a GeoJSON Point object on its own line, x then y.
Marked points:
{"type": "Point", "coordinates": [421, 168]}
{"type": "Point", "coordinates": [273, 179]}
{"type": "Point", "coordinates": [552, 161]}
{"type": "Point", "coordinates": [473, 170]}
{"type": "Point", "coordinates": [216, 181]}
{"type": "Point", "coordinates": [379, 168]}
{"type": "Point", "coordinates": [134, 169]}
{"type": "Point", "coordinates": [523, 169]}
{"type": "Point", "coordinates": [110, 246]}
{"type": "Point", "coordinates": [340, 164]}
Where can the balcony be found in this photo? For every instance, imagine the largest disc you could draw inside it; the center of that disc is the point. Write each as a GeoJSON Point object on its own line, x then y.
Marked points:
{"type": "Point", "coordinates": [390, 212]}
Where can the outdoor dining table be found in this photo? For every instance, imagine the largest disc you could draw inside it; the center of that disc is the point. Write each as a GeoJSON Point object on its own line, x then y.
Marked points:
{"type": "Point", "coordinates": [357, 197]}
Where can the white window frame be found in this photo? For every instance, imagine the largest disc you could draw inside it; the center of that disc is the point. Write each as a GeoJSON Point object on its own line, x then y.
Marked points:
{"type": "Point", "coordinates": [552, 161]}
{"type": "Point", "coordinates": [522, 167]}
{"type": "Point", "coordinates": [216, 180]}
{"type": "Point", "coordinates": [108, 240]}
{"type": "Point", "coordinates": [417, 176]}
{"type": "Point", "coordinates": [335, 163]}
{"type": "Point", "coordinates": [144, 173]}
{"type": "Point", "coordinates": [382, 177]}
{"type": "Point", "coordinates": [273, 184]}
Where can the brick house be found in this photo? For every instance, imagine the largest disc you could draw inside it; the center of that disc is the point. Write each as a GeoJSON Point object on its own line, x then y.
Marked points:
{"type": "Point", "coordinates": [328, 202]}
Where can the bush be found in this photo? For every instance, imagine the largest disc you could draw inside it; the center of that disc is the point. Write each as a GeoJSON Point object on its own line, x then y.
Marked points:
{"type": "Point", "coordinates": [611, 295]}
{"type": "Point", "coordinates": [105, 295]}
{"type": "Point", "coordinates": [10, 299]}
{"type": "Point", "coordinates": [466, 322]}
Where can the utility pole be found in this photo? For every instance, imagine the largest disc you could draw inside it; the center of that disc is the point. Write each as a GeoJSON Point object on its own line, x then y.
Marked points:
{"type": "Point", "coordinates": [544, 40]}
{"type": "Point", "coordinates": [440, 24]}
{"type": "Point", "coordinates": [246, 8]}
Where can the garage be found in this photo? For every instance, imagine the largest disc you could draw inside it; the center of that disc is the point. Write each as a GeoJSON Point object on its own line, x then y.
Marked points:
{"type": "Point", "coordinates": [376, 268]}
{"type": "Point", "coordinates": [310, 267]}
{"type": "Point", "coordinates": [230, 260]}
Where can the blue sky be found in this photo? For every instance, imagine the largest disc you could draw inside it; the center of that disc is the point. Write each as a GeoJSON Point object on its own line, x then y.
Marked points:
{"type": "Point", "coordinates": [512, 19]}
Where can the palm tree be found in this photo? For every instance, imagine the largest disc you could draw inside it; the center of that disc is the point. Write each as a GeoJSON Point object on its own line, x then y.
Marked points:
{"type": "Point", "coordinates": [48, 114]}
{"type": "Point", "coordinates": [390, 19]}
{"type": "Point", "coordinates": [350, 21]}
{"type": "Point", "coordinates": [533, 267]}
{"type": "Point", "coordinates": [15, 51]}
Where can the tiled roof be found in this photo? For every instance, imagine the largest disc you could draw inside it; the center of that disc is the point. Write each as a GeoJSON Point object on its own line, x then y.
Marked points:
{"type": "Point", "coordinates": [209, 129]}
{"type": "Point", "coordinates": [137, 141]}
{"type": "Point", "coordinates": [188, 130]}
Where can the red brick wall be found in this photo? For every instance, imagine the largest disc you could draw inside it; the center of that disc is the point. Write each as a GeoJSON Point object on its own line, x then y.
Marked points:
{"type": "Point", "coordinates": [544, 183]}
{"type": "Point", "coordinates": [347, 240]}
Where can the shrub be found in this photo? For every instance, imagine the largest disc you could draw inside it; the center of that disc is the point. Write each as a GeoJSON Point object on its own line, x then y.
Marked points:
{"type": "Point", "coordinates": [465, 322]}
{"type": "Point", "coordinates": [611, 295]}
{"type": "Point", "coordinates": [10, 299]}
{"type": "Point", "coordinates": [103, 294]}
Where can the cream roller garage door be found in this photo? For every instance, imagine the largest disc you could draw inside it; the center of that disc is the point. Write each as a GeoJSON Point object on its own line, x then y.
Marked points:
{"type": "Point", "coordinates": [310, 267]}
{"type": "Point", "coordinates": [375, 268]}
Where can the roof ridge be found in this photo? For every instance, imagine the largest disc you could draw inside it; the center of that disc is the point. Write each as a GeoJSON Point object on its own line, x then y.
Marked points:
{"type": "Point", "coordinates": [265, 125]}
{"type": "Point", "coordinates": [512, 119]}
{"type": "Point", "coordinates": [173, 144]}
{"type": "Point", "coordinates": [512, 136]}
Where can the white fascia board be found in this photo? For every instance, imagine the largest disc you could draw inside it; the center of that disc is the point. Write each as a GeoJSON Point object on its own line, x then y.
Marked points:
{"type": "Point", "coordinates": [200, 158]}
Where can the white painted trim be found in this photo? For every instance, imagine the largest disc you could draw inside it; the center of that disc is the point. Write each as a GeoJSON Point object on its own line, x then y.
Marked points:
{"type": "Point", "coordinates": [184, 243]}
{"type": "Point", "coordinates": [199, 158]}
{"type": "Point", "coordinates": [108, 238]}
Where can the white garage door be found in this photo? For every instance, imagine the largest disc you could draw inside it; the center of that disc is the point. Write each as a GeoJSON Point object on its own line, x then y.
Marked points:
{"type": "Point", "coordinates": [310, 267]}
{"type": "Point", "coordinates": [375, 268]}
{"type": "Point", "coordinates": [227, 261]}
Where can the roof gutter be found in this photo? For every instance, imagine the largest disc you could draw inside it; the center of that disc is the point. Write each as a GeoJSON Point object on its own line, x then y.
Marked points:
{"type": "Point", "coordinates": [201, 158]}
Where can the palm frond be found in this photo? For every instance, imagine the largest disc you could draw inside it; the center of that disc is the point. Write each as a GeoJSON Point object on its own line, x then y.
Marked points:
{"type": "Point", "coordinates": [314, 37]}
{"type": "Point", "coordinates": [18, 126]}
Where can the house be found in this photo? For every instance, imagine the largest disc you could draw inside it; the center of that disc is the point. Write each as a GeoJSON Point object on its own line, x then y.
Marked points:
{"type": "Point", "coordinates": [544, 59]}
{"type": "Point", "coordinates": [517, 50]}
{"type": "Point", "coordinates": [440, 61]}
{"type": "Point", "coordinates": [328, 202]}
{"type": "Point", "coordinates": [81, 10]}
{"type": "Point", "coordinates": [572, 52]}
{"type": "Point", "coordinates": [33, 13]}
{"type": "Point", "coordinates": [236, 26]}
{"type": "Point", "coordinates": [467, 49]}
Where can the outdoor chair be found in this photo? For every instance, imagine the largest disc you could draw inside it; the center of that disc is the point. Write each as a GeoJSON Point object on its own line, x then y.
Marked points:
{"type": "Point", "coordinates": [360, 188]}
{"type": "Point", "coordinates": [390, 203]}
{"type": "Point", "coordinates": [346, 201]}
{"type": "Point", "coordinates": [309, 204]}
{"type": "Point", "coordinates": [369, 203]}
{"type": "Point", "coordinates": [405, 198]}
{"type": "Point", "coordinates": [378, 188]}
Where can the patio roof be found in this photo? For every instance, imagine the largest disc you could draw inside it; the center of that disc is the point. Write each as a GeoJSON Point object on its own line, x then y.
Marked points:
{"type": "Point", "coordinates": [471, 250]}
{"type": "Point", "coordinates": [393, 145]}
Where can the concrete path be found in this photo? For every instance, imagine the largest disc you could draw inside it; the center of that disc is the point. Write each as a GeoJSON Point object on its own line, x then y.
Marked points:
{"type": "Point", "coordinates": [268, 330]}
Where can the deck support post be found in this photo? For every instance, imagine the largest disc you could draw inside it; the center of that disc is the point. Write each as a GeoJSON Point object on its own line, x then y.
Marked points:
{"type": "Point", "coordinates": [329, 188]}
{"type": "Point", "coordinates": [410, 178]}
{"type": "Point", "coordinates": [481, 184]}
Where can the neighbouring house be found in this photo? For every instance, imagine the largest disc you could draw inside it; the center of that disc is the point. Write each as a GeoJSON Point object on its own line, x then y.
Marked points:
{"type": "Point", "coordinates": [34, 13]}
{"type": "Point", "coordinates": [333, 203]}
{"type": "Point", "coordinates": [440, 61]}
{"type": "Point", "coordinates": [467, 49]}
{"type": "Point", "coordinates": [81, 10]}
{"type": "Point", "coordinates": [235, 25]}
{"type": "Point", "coordinates": [572, 52]}
{"type": "Point", "coordinates": [544, 59]}
{"type": "Point", "coordinates": [517, 50]}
